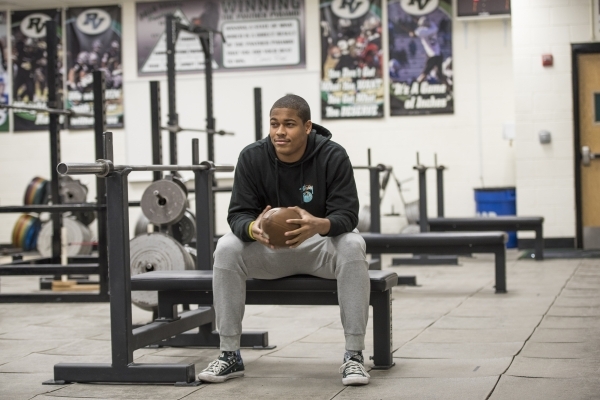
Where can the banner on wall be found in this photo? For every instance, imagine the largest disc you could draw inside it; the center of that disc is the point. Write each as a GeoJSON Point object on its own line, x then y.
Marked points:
{"type": "Point", "coordinates": [4, 82]}
{"type": "Point", "coordinates": [30, 84]}
{"type": "Point", "coordinates": [420, 54]}
{"type": "Point", "coordinates": [351, 59]}
{"type": "Point", "coordinates": [94, 43]}
{"type": "Point", "coordinates": [258, 34]}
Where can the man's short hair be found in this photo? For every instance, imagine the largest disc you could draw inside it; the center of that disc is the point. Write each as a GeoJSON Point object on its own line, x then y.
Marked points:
{"type": "Point", "coordinates": [295, 103]}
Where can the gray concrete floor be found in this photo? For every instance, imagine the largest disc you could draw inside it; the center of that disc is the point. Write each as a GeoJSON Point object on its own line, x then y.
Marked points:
{"type": "Point", "coordinates": [453, 339]}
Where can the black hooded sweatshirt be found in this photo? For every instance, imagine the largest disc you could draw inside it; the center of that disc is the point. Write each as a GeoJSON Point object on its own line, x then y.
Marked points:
{"type": "Point", "coordinates": [321, 182]}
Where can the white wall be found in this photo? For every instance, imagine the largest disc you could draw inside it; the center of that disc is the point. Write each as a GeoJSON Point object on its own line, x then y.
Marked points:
{"type": "Point", "coordinates": [469, 142]}
{"type": "Point", "coordinates": [543, 96]}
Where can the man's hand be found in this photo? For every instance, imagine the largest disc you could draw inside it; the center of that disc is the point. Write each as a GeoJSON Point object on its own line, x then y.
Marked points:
{"type": "Point", "coordinates": [309, 226]}
{"type": "Point", "coordinates": [257, 231]}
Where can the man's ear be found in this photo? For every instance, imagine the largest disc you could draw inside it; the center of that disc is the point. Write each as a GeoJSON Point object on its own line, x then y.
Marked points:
{"type": "Point", "coordinates": [308, 126]}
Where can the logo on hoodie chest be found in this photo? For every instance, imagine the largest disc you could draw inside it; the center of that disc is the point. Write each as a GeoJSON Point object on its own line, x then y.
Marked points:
{"type": "Point", "coordinates": [307, 193]}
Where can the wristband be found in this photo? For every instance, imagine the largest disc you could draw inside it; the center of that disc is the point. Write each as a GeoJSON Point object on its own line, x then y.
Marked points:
{"type": "Point", "coordinates": [250, 230]}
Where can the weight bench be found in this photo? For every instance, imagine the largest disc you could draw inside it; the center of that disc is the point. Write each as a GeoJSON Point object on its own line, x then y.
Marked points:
{"type": "Point", "coordinates": [503, 223]}
{"type": "Point", "coordinates": [444, 243]}
{"type": "Point", "coordinates": [195, 287]}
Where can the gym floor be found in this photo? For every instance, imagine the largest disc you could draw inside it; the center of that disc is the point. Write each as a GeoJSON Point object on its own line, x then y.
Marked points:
{"type": "Point", "coordinates": [454, 339]}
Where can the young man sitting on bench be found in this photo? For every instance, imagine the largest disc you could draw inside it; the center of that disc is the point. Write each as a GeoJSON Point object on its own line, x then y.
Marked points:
{"type": "Point", "coordinates": [296, 166]}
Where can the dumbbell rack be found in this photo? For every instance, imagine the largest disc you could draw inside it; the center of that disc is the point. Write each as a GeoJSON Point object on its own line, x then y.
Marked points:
{"type": "Point", "coordinates": [76, 265]}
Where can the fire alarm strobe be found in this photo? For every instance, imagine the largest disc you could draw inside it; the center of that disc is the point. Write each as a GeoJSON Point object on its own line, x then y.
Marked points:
{"type": "Point", "coordinates": [547, 60]}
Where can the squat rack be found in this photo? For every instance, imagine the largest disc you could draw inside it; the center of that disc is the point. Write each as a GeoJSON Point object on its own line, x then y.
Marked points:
{"type": "Point", "coordinates": [52, 265]}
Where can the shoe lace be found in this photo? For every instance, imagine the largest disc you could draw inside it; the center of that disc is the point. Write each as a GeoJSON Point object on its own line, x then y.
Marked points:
{"type": "Point", "coordinates": [352, 367]}
{"type": "Point", "coordinates": [216, 367]}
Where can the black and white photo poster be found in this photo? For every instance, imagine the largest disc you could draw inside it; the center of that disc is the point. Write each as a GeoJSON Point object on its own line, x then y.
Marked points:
{"type": "Point", "coordinates": [94, 43]}
{"type": "Point", "coordinates": [351, 59]}
{"type": "Point", "coordinates": [30, 84]}
{"type": "Point", "coordinates": [420, 57]}
{"type": "Point", "coordinates": [258, 34]}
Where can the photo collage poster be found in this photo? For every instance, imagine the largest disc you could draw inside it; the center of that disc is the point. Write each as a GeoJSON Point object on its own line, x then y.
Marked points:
{"type": "Point", "coordinates": [94, 43]}
{"type": "Point", "coordinates": [30, 83]}
{"type": "Point", "coordinates": [351, 59]}
{"type": "Point", "coordinates": [420, 57]}
{"type": "Point", "coordinates": [258, 35]}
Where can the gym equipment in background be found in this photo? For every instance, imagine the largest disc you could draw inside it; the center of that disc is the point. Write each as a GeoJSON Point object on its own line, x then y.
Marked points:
{"type": "Point", "coordinates": [53, 265]}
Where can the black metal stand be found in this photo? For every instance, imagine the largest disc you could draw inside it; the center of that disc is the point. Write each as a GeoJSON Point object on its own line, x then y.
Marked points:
{"type": "Point", "coordinates": [125, 339]}
{"type": "Point", "coordinates": [258, 133]}
{"type": "Point", "coordinates": [52, 265]}
{"type": "Point", "coordinates": [425, 259]}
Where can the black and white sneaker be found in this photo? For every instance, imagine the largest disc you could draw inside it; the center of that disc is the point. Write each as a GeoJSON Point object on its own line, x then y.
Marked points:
{"type": "Point", "coordinates": [353, 371]}
{"type": "Point", "coordinates": [229, 365]}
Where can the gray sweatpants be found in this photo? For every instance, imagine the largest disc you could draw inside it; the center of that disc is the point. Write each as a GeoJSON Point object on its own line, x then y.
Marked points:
{"type": "Point", "coordinates": [341, 257]}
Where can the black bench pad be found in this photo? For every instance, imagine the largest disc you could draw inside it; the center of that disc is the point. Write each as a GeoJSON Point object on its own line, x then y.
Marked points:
{"type": "Point", "coordinates": [381, 281]}
{"type": "Point", "coordinates": [486, 223]}
{"type": "Point", "coordinates": [428, 239]}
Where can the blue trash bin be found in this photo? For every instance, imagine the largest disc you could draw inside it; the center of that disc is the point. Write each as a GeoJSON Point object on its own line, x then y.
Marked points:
{"type": "Point", "coordinates": [498, 201]}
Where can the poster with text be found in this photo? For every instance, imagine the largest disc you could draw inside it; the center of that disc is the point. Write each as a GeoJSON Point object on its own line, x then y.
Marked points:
{"type": "Point", "coordinates": [258, 35]}
{"type": "Point", "coordinates": [420, 57]}
{"type": "Point", "coordinates": [4, 82]}
{"type": "Point", "coordinates": [94, 43]}
{"type": "Point", "coordinates": [30, 83]}
{"type": "Point", "coordinates": [351, 59]}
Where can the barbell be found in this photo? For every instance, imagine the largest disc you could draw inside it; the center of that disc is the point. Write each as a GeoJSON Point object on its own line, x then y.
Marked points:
{"type": "Point", "coordinates": [59, 111]}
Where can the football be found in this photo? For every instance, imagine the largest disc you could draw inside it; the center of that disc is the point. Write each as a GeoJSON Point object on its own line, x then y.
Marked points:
{"type": "Point", "coordinates": [274, 226]}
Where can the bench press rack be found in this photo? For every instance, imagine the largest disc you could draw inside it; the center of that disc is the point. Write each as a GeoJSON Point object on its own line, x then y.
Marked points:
{"type": "Point", "coordinates": [125, 339]}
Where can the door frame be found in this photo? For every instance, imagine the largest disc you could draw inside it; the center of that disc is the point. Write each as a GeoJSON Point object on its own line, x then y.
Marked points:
{"type": "Point", "coordinates": [577, 49]}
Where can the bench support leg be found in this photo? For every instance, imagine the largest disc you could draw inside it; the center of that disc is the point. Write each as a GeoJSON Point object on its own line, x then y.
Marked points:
{"type": "Point", "coordinates": [382, 329]}
{"type": "Point", "coordinates": [500, 260]}
{"type": "Point", "coordinates": [539, 244]}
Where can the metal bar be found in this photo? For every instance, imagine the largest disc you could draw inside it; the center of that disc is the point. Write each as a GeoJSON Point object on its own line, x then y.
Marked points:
{"type": "Point", "coordinates": [440, 190]}
{"type": "Point", "coordinates": [99, 126]}
{"type": "Point", "coordinates": [56, 111]}
{"type": "Point", "coordinates": [258, 133]}
{"type": "Point", "coordinates": [195, 152]}
{"type": "Point", "coordinates": [375, 212]}
{"type": "Point", "coordinates": [205, 244]}
{"type": "Point", "coordinates": [52, 208]}
{"type": "Point", "coordinates": [158, 331]}
{"type": "Point", "coordinates": [423, 224]}
{"type": "Point", "coordinates": [48, 269]}
{"type": "Point", "coordinates": [108, 147]}
{"type": "Point", "coordinates": [207, 47]}
{"type": "Point", "coordinates": [172, 33]}
{"type": "Point", "coordinates": [500, 270]}
{"type": "Point", "coordinates": [539, 244]}
{"type": "Point", "coordinates": [119, 269]}
{"type": "Point", "coordinates": [155, 118]}
{"type": "Point", "coordinates": [54, 298]}
{"type": "Point", "coordinates": [54, 130]}
{"type": "Point", "coordinates": [100, 167]}
{"type": "Point", "coordinates": [133, 373]}
{"type": "Point", "coordinates": [382, 329]}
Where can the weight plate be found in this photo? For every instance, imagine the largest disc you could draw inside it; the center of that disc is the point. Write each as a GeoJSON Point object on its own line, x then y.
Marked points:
{"type": "Point", "coordinates": [32, 234]}
{"type": "Point", "coordinates": [35, 191]}
{"type": "Point", "coordinates": [16, 232]}
{"type": "Point", "coordinates": [72, 191]}
{"type": "Point", "coordinates": [85, 217]}
{"type": "Point", "coordinates": [79, 238]}
{"type": "Point", "coordinates": [141, 226]}
{"type": "Point", "coordinates": [411, 210]}
{"type": "Point", "coordinates": [164, 202]}
{"type": "Point", "coordinates": [184, 231]}
{"type": "Point", "coordinates": [155, 252]}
